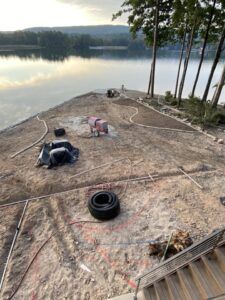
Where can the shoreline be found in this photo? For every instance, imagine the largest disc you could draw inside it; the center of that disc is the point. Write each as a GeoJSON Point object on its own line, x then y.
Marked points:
{"type": "Point", "coordinates": [41, 112]}
{"type": "Point", "coordinates": [11, 48]}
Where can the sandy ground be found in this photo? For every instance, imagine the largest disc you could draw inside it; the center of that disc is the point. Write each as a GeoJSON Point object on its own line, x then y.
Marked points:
{"type": "Point", "coordinates": [101, 260]}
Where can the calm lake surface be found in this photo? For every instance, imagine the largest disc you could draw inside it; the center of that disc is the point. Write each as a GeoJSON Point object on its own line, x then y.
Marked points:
{"type": "Point", "coordinates": [33, 82]}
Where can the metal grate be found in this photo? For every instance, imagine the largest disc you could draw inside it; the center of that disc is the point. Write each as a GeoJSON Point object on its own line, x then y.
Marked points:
{"type": "Point", "coordinates": [181, 259]}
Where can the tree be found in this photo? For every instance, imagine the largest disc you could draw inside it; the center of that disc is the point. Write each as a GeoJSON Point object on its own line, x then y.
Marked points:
{"type": "Point", "coordinates": [152, 18]}
{"type": "Point", "coordinates": [219, 88]}
{"type": "Point", "coordinates": [191, 9]}
{"type": "Point", "coordinates": [209, 9]}
{"type": "Point", "coordinates": [180, 62]}
{"type": "Point", "coordinates": [179, 27]}
{"type": "Point", "coordinates": [54, 40]}
{"type": "Point", "coordinates": [219, 24]}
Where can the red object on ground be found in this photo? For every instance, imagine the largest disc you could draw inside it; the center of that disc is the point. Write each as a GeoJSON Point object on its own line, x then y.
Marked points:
{"type": "Point", "coordinates": [98, 125]}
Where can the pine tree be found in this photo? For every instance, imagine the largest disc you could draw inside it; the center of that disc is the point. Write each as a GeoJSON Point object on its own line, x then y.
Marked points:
{"type": "Point", "coordinates": [208, 12]}
{"type": "Point", "coordinates": [219, 34]}
{"type": "Point", "coordinates": [191, 10]}
{"type": "Point", "coordinates": [152, 18]}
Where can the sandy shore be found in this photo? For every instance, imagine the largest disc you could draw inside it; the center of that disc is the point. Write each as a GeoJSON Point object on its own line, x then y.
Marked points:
{"type": "Point", "coordinates": [97, 261]}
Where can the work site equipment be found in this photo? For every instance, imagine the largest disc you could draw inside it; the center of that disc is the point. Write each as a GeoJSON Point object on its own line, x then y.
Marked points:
{"type": "Point", "coordinates": [97, 126]}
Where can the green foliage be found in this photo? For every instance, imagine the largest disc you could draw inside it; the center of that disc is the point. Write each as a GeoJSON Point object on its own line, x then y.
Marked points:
{"type": "Point", "coordinates": [53, 40]}
{"type": "Point", "coordinates": [168, 96]}
{"type": "Point", "coordinates": [195, 109]}
{"type": "Point", "coordinates": [202, 113]}
{"type": "Point", "coordinates": [170, 99]}
{"type": "Point", "coordinates": [56, 40]}
{"type": "Point", "coordinates": [218, 117]}
{"type": "Point", "coordinates": [18, 38]}
{"type": "Point", "coordinates": [141, 18]}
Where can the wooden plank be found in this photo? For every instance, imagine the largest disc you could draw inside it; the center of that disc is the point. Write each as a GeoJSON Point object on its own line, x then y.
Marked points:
{"type": "Point", "coordinates": [149, 293]}
{"type": "Point", "coordinates": [212, 264]}
{"type": "Point", "coordinates": [204, 280]}
{"type": "Point", "coordinates": [220, 253]}
{"type": "Point", "coordinates": [162, 291]}
{"type": "Point", "coordinates": [189, 286]}
{"type": "Point", "coordinates": [175, 293]}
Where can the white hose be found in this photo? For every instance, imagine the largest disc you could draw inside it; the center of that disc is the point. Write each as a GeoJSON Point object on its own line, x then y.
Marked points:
{"type": "Point", "coordinates": [35, 143]}
{"type": "Point", "coordinates": [154, 127]}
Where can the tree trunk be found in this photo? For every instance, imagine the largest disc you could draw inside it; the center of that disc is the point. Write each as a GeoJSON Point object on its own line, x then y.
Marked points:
{"type": "Point", "coordinates": [203, 48]}
{"type": "Point", "coordinates": [180, 62]}
{"type": "Point", "coordinates": [150, 81]}
{"type": "Point", "coordinates": [215, 62]}
{"type": "Point", "coordinates": [219, 88]}
{"type": "Point", "coordinates": [188, 53]}
{"type": "Point", "coordinates": [152, 75]}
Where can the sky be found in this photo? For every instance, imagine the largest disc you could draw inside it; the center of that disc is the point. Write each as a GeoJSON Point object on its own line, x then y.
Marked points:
{"type": "Point", "coordinates": [21, 14]}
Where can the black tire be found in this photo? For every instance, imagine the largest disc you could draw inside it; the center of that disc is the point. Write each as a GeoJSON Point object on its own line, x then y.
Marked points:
{"type": "Point", "coordinates": [104, 205]}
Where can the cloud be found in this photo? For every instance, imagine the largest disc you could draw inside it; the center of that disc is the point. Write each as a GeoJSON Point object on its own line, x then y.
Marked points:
{"type": "Point", "coordinates": [104, 8]}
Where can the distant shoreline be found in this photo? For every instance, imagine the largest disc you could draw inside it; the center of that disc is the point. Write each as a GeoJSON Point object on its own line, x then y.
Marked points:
{"type": "Point", "coordinates": [108, 47]}
{"type": "Point", "coordinates": [9, 48]}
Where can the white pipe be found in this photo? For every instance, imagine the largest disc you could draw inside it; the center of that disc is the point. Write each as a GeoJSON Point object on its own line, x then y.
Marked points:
{"type": "Point", "coordinates": [104, 165]}
{"type": "Point", "coordinates": [35, 143]}
{"type": "Point", "coordinates": [154, 127]}
{"type": "Point", "coordinates": [13, 244]}
{"type": "Point", "coordinates": [201, 187]}
{"type": "Point", "coordinates": [71, 190]}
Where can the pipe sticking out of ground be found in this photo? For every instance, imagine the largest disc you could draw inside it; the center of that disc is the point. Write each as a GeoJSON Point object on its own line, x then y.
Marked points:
{"type": "Point", "coordinates": [13, 244]}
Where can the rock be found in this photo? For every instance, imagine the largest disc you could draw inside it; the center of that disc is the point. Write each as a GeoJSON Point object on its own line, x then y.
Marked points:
{"type": "Point", "coordinates": [220, 141]}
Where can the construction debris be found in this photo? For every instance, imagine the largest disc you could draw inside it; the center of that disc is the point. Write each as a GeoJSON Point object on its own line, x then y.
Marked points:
{"type": "Point", "coordinates": [177, 243]}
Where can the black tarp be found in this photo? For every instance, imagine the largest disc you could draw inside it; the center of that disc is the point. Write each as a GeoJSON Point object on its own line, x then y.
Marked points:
{"type": "Point", "coordinates": [57, 153]}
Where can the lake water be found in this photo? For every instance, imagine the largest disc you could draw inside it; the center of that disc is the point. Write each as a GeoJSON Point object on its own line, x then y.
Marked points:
{"type": "Point", "coordinates": [33, 82]}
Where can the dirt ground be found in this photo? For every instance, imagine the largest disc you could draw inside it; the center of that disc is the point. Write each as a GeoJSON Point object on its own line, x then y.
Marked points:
{"type": "Point", "coordinates": [101, 260]}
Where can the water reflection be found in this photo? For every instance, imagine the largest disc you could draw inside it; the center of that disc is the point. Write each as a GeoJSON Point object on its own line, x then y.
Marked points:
{"type": "Point", "coordinates": [37, 80]}
{"type": "Point", "coordinates": [62, 55]}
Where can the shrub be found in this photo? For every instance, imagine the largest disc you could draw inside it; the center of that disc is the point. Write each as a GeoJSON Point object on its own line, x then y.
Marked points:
{"type": "Point", "coordinates": [218, 118]}
{"type": "Point", "coordinates": [168, 96]}
{"type": "Point", "coordinates": [173, 102]}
